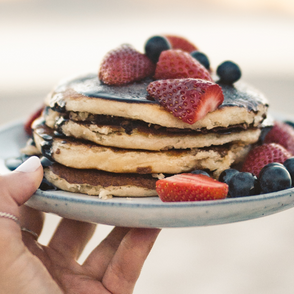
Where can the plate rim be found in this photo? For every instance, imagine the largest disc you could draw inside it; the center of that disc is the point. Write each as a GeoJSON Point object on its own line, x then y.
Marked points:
{"type": "Point", "coordinates": [82, 198]}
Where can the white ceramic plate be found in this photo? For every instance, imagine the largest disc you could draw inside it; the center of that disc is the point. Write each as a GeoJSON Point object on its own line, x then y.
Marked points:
{"type": "Point", "coordinates": [142, 212]}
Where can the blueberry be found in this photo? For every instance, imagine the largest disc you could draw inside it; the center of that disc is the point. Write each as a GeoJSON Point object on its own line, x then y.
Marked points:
{"type": "Point", "coordinates": [227, 174]}
{"type": "Point", "coordinates": [269, 166]}
{"type": "Point", "coordinates": [13, 163]}
{"type": "Point", "coordinates": [229, 72]}
{"type": "Point", "coordinates": [290, 123]}
{"type": "Point", "coordinates": [200, 172]}
{"type": "Point", "coordinates": [154, 46]}
{"type": "Point", "coordinates": [201, 57]}
{"type": "Point", "coordinates": [289, 165]}
{"type": "Point", "coordinates": [274, 177]}
{"type": "Point", "coordinates": [243, 184]}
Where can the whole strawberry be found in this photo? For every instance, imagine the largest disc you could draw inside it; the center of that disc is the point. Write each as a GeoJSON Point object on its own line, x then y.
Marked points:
{"type": "Point", "coordinates": [125, 65]}
{"type": "Point", "coordinates": [177, 64]}
{"type": "Point", "coordinates": [262, 155]}
{"type": "Point", "coordinates": [282, 134]}
{"type": "Point", "coordinates": [190, 187]}
{"type": "Point", "coordinates": [178, 42]}
{"type": "Point", "coordinates": [187, 99]}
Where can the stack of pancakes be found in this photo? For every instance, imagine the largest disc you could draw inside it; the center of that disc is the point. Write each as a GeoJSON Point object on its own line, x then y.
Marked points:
{"type": "Point", "coordinates": [115, 140]}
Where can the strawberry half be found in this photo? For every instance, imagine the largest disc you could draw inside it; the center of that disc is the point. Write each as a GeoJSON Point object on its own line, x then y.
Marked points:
{"type": "Point", "coordinates": [282, 134]}
{"type": "Point", "coordinates": [262, 155]}
{"type": "Point", "coordinates": [177, 64]}
{"type": "Point", "coordinates": [178, 42]}
{"type": "Point", "coordinates": [125, 65]}
{"type": "Point", "coordinates": [31, 119]}
{"type": "Point", "coordinates": [187, 99]}
{"type": "Point", "coordinates": [190, 187]}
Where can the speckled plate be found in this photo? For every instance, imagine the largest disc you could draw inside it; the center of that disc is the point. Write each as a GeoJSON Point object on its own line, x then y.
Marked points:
{"type": "Point", "coordinates": [142, 212]}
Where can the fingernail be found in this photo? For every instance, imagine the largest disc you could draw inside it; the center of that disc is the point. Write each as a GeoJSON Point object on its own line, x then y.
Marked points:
{"type": "Point", "coordinates": [30, 165]}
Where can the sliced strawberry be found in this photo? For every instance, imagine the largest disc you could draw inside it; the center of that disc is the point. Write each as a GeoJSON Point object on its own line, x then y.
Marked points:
{"type": "Point", "coordinates": [125, 65]}
{"type": "Point", "coordinates": [262, 155]}
{"type": "Point", "coordinates": [178, 42]}
{"type": "Point", "coordinates": [31, 119]}
{"type": "Point", "coordinates": [177, 64]}
{"type": "Point", "coordinates": [190, 187]}
{"type": "Point", "coordinates": [282, 134]}
{"type": "Point", "coordinates": [187, 99]}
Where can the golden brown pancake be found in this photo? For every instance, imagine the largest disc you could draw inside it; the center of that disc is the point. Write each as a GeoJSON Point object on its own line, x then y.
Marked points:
{"type": "Point", "coordinates": [80, 154]}
{"type": "Point", "coordinates": [112, 140]}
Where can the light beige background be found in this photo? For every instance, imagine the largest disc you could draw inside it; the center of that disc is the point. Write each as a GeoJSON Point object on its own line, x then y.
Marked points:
{"type": "Point", "coordinates": [42, 42]}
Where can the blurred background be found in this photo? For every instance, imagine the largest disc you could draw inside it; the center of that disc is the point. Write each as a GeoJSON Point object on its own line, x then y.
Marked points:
{"type": "Point", "coordinates": [43, 41]}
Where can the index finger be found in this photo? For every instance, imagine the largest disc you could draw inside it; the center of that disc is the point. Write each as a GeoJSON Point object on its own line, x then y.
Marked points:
{"type": "Point", "coordinates": [125, 267]}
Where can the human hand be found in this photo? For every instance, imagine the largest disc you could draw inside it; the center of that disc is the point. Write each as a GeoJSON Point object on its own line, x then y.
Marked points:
{"type": "Point", "coordinates": [29, 267]}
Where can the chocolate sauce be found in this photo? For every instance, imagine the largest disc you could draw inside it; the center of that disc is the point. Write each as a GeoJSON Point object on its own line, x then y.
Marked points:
{"type": "Point", "coordinates": [135, 92]}
{"type": "Point", "coordinates": [58, 125]}
{"type": "Point", "coordinates": [46, 149]}
{"type": "Point", "coordinates": [46, 185]}
{"type": "Point", "coordinates": [46, 145]}
{"type": "Point", "coordinates": [239, 94]}
{"type": "Point", "coordinates": [129, 125]}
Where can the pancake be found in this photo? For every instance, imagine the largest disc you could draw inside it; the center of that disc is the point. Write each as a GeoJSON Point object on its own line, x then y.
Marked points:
{"type": "Point", "coordinates": [80, 154]}
{"type": "Point", "coordinates": [243, 105]}
{"type": "Point", "coordinates": [103, 184]}
{"type": "Point", "coordinates": [112, 140]}
{"type": "Point", "coordinates": [134, 135]}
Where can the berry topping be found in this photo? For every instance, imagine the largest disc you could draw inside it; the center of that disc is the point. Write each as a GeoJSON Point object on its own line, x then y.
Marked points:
{"type": "Point", "coordinates": [228, 72]}
{"type": "Point", "coordinates": [268, 166]}
{"type": "Point", "coordinates": [289, 165]}
{"type": "Point", "coordinates": [262, 155]}
{"type": "Point", "coordinates": [200, 172]}
{"type": "Point", "coordinates": [243, 184]}
{"type": "Point", "coordinates": [29, 122]}
{"type": "Point", "coordinates": [13, 163]}
{"type": "Point", "coordinates": [125, 65]}
{"type": "Point", "coordinates": [274, 177]}
{"type": "Point", "coordinates": [202, 58]}
{"type": "Point", "coordinates": [282, 134]}
{"type": "Point", "coordinates": [154, 46]}
{"type": "Point", "coordinates": [190, 187]}
{"type": "Point", "coordinates": [177, 64]}
{"type": "Point", "coordinates": [290, 123]}
{"type": "Point", "coordinates": [178, 42]}
{"type": "Point", "coordinates": [187, 99]}
{"type": "Point", "coordinates": [227, 174]}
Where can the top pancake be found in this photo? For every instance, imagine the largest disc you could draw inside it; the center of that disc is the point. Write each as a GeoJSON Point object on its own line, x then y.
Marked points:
{"type": "Point", "coordinates": [242, 104]}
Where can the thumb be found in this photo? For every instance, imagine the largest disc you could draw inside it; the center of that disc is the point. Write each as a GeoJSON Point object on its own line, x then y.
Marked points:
{"type": "Point", "coordinates": [18, 186]}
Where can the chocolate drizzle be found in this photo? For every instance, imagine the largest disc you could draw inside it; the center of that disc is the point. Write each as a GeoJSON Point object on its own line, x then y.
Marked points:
{"type": "Point", "coordinates": [46, 145]}
{"type": "Point", "coordinates": [135, 92]}
{"type": "Point", "coordinates": [239, 94]}
{"type": "Point", "coordinates": [130, 125]}
{"type": "Point", "coordinates": [57, 103]}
